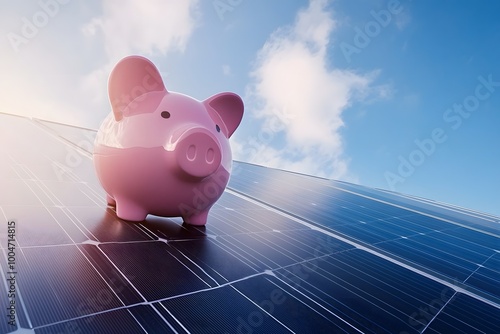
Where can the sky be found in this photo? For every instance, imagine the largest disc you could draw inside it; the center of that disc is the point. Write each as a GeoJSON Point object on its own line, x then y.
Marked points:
{"type": "Point", "coordinates": [393, 94]}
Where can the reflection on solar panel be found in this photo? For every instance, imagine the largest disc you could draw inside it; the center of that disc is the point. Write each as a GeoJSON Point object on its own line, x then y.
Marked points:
{"type": "Point", "coordinates": [282, 252]}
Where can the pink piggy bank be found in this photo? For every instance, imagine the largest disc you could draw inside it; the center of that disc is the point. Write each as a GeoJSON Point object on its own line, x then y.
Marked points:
{"type": "Point", "coordinates": [160, 152]}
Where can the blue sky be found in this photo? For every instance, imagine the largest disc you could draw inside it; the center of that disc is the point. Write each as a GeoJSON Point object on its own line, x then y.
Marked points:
{"type": "Point", "coordinates": [401, 95]}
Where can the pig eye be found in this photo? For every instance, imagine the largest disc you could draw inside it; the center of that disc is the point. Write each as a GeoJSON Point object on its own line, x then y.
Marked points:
{"type": "Point", "coordinates": [217, 127]}
{"type": "Point", "coordinates": [165, 114]}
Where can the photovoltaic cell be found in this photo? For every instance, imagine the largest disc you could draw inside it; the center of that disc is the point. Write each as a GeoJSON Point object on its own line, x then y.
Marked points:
{"type": "Point", "coordinates": [464, 314]}
{"type": "Point", "coordinates": [51, 291]}
{"type": "Point", "coordinates": [221, 310]}
{"type": "Point", "coordinates": [290, 307]}
{"type": "Point", "coordinates": [137, 319]}
{"type": "Point", "coordinates": [486, 280]}
{"type": "Point", "coordinates": [281, 253]}
{"type": "Point", "coordinates": [161, 266]}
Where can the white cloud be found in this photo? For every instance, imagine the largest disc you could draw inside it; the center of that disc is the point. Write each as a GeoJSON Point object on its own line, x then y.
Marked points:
{"type": "Point", "coordinates": [144, 26]}
{"type": "Point", "coordinates": [59, 71]}
{"type": "Point", "coordinates": [294, 86]}
{"type": "Point", "coordinates": [137, 27]}
{"type": "Point", "coordinates": [37, 62]}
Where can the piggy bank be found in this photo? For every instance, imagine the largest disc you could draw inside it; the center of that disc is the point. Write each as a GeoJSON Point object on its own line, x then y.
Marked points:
{"type": "Point", "coordinates": [160, 152]}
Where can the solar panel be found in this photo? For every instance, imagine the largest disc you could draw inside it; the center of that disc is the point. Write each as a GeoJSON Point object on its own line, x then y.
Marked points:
{"type": "Point", "coordinates": [282, 252]}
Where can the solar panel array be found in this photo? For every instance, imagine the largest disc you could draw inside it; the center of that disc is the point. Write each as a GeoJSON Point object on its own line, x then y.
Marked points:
{"type": "Point", "coordinates": [282, 252]}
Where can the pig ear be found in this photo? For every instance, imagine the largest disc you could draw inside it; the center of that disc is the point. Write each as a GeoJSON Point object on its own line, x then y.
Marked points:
{"type": "Point", "coordinates": [132, 77]}
{"type": "Point", "coordinates": [229, 106]}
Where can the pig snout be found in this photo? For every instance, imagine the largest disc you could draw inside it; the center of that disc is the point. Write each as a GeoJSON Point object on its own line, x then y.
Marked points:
{"type": "Point", "coordinates": [198, 153]}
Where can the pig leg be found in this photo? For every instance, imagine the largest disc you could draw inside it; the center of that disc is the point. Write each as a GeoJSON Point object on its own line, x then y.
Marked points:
{"type": "Point", "coordinates": [198, 219]}
{"type": "Point", "coordinates": [110, 200]}
{"type": "Point", "coordinates": [128, 210]}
